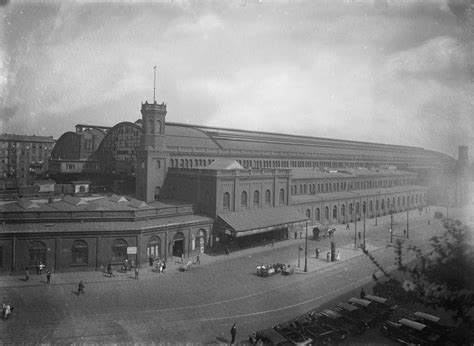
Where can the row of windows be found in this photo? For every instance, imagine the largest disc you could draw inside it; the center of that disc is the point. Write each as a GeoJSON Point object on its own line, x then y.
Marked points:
{"type": "Point", "coordinates": [256, 199]}
{"type": "Point", "coordinates": [190, 163]}
{"type": "Point", "coordinates": [415, 199]}
{"type": "Point", "coordinates": [347, 185]}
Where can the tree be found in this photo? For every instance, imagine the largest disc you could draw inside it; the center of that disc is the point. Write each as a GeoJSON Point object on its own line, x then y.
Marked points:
{"type": "Point", "coordinates": [440, 278]}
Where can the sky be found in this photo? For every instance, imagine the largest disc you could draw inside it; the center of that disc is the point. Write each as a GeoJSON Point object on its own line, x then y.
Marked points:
{"type": "Point", "coordinates": [399, 74]}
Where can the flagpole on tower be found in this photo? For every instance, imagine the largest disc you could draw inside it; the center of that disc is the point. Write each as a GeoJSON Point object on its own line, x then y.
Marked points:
{"type": "Point", "coordinates": [154, 83]}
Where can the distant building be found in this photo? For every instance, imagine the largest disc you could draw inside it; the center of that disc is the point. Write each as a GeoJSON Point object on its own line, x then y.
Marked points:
{"type": "Point", "coordinates": [23, 158]}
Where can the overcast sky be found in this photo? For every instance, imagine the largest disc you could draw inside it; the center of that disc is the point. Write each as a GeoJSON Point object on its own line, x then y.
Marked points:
{"type": "Point", "coordinates": [395, 75]}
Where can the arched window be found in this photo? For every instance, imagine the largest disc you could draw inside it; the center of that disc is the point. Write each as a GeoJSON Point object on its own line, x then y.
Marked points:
{"type": "Point", "coordinates": [326, 213]}
{"type": "Point", "coordinates": [343, 210]}
{"type": "Point", "coordinates": [119, 250]}
{"type": "Point", "coordinates": [357, 208]}
{"type": "Point", "coordinates": [282, 196]}
{"type": "Point", "coordinates": [403, 200]}
{"type": "Point", "coordinates": [350, 209]}
{"type": "Point", "coordinates": [37, 253]}
{"type": "Point", "coordinates": [370, 206]}
{"type": "Point", "coordinates": [334, 212]}
{"type": "Point", "coordinates": [376, 205]}
{"type": "Point", "coordinates": [267, 197]}
{"type": "Point", "coordinates": [318, 214]}
{"type": "Point", "coordinates": [382, 205]}
{"type": "Point", "coordinates": [226, 201]}
{"type": "Point", "coordinates": [256, 198]}
{"type": "Point", "coordinates": [308, 213]}
{"type": "Point", "coordinates": [80, 252]}
{"type": "Point", "coordinates": [364, 207]}
{"type": "Point", "coordinates": [243, 199]}
{"type": "Point", "coordinates": [393, 202]}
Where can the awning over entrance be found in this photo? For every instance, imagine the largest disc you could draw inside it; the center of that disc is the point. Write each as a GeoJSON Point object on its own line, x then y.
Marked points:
{"type": "Point", "coordinates": [258, 221]}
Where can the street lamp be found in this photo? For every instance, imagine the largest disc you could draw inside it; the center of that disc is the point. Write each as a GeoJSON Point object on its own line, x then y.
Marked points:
{"type": "Point", "coordinates": [355, 226]}
{"type": "Point", "coordinates": [391, 225]}
{"type": "Point", "coordinates": [306, 249]}
{"type": "Point", "coordinates": [299, 252]}
{"type": "Point", "coordinates": [365, 210]}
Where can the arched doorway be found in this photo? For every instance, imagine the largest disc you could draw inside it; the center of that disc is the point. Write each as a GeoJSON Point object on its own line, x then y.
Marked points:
{"type": "Point", "coordinates": [119, 250]}
{"type": "Point", "coordinates": [37, 252]}
{"type": "Point", "coordinates": [178, 244]}
{"type": "Point", "coordinates": [201, 241]}
{"type": "Point", "coordinates": [153, 248]}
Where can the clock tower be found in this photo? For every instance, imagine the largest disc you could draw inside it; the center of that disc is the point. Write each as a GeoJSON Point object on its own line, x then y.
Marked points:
{"type": "Point", "coordinates": [152, 155]}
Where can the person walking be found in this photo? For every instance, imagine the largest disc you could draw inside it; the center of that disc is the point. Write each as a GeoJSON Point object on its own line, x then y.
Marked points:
{"type": "Point", "coordinates": [40, 268]}
{"type": "Point", "coordinates": [338, 256]}
{"type": "Point", "coordinates": [405, 233]}
{"type": "Point", "coordinates": [151, 260]}
{"type": "Point", "coordinates": [348, 227]}
{"type": "Point", "coordinates": [198, 260]}
{"type": "Point", "coordinates": [27, 274]}
{"type": "Point", "coordinates": [328, 256]}
{"type": "Point", "coordinates": [48, 277]}
{"type": "Point", "coordinates": [233, 334]}
{"type": "Point", "coordinates": [136, 272]}
{"type": "Point", "coordinates": [296, 235]}
{"type": "Point", "coordinates": [110, 270]}
{"type": "Point", "coordinates": [80, 288]}
{"type": "Point", "coordinates": [317, 252]}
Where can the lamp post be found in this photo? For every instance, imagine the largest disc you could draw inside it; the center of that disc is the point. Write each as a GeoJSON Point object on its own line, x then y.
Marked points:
{"type": "Point", "coordinates": [299, 252]}
{"type": "Point", "coordinates": [391, 225]}
{"type": "Point", "coordinates": [355, 227]}
{"type": "Point", "coordinates": [306, 249]}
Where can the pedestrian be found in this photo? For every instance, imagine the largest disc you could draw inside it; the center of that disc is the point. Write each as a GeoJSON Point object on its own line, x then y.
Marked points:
{"type": "Point", "coordinates": [405, 233]}
{"type": "Point", "coordinates": [348, 227]}
{"type": "Point", "coordinates": [328, 256]}
{"type": "Point", "coordinates": [163, 267]}
{"type": "Point", "coordinates": [362, 293]}
{"type": "Point", "coordinates": [296, 235]}
{"type": "Point", "coordinates": [359, 234]}
{"type": "Point", "coordinates": [40, 268]}
{"type": "Point", "coordinates": [110, 270]}
{"type": "Point", "coordinates": [182, 257]}
{"type": "Point", "coordinates": [6, 311]}
{"type": "Point", "coordinates": [338, 256]}
{"type": "Point", "coordinates": [80, 288]}
{"type": "Point", "coordinates": [317, 252]}
{"type": "Point", "coordinates": [233, 334]}
{"type": "Point", "coordinates": [161, 264]}
{"type": "Point", "coordinates": [136, 272]}
{"type": "Point", "coordinates": [48, 276]}
{"type": "Point", "coordinates": [188, 265]}
{"type": "Point", "coordinates": [198, 260]}
{"type": "Point", "coordinates": [27, 274]}
{"type": "Point", "coordinates": [301, 235]}
{"type": "Point", "coordinates": [151, 260]}
{"type": "Point", "coordinates": [227, 250]}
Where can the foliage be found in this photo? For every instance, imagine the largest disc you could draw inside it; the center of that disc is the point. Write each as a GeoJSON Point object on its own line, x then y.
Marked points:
{"type": "Point", "coordinates": [439, 278]}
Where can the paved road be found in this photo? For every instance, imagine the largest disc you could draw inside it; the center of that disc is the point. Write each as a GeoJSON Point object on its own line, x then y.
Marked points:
{"type": "Point", "coordinates": [198, 306]}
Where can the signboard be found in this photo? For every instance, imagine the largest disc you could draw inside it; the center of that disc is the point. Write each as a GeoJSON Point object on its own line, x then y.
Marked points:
{"type": "Point", "coordinates": [131, 250]}
{"type": "Point", "coordinates": [228, 232]}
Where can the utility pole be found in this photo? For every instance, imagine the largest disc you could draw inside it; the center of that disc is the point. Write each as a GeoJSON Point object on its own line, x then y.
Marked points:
{"type": "Point", "coordinates": [364, 226]}
{"type": "Point", "coordinates": [408, 234]}
{"type": "Point", "coordinates": [306, 249]}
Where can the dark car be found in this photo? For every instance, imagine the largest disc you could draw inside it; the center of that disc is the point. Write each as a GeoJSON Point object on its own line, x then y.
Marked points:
{"type": "Point", "coordinates": [407, 332]}
{"type": "Point", "coordinates": [354, 312]}
{"type": "Point", "coordinates": [271, 337]}
{"type": "Point", "coordinates": [378, 307]}
{"type": "Point", "coordinates": [362, 326]}
{"type": "Point", "coordinates": [319, 332]}
{"type": "Point", "coordinates": [433, 323]}
{"type": "Point", "coordinates": [336, 321]}
{"type": "Point", "coordinates": [292, 335]}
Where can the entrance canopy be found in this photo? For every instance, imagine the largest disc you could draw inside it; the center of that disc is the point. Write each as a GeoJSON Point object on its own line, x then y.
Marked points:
{"type": "Point", "coordinates": [258, 221]}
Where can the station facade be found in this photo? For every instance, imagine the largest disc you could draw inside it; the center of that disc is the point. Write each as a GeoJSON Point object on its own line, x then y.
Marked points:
{"type": "Point", "coordinates": [193, 188]}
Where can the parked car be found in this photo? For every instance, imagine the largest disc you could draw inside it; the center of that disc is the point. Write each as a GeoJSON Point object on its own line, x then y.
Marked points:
{"type": "Point", "coordinates": [352, 311]}
{"type": "Point", "coordinates": [362, 326]}
{"type": "Point", "coordinates": [407, 332]}
{"type": "Point", "coordinates": [336, 321]}
{"type": "Point", "coordinates": [271, 337]}
{"type": "Point", "coordinates": [378, 307]}
{"type": "Point", "coordinates": [320, 333]}
{"type": "Point", "coordinates": [292, 335]}
{"type": "Point", "coordinates": [432, 322]}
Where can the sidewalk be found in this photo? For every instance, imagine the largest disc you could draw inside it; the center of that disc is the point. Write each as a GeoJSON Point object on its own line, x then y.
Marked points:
{"type": "Point", "coordinates": [377, 237]}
